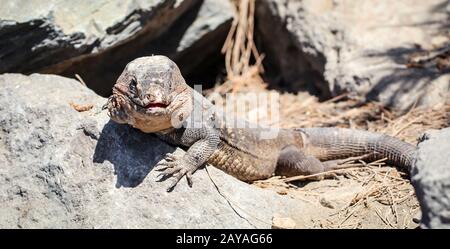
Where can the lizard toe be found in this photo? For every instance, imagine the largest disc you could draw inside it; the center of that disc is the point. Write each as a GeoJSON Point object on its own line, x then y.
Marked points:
{"type": "Point", "coordinates": [170, 157]}
{"type": "Point", "coordinates": [173, 170]}
{"type": "Point", "coordinates": [163, 165]}
{"type": "Point", "coordinates": [176, 178]}
{"type": "Point", "coordinates": [189, 178]}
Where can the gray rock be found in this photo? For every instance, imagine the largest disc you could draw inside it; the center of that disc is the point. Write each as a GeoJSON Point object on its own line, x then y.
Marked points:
{"type": "Point", "coordinates": [201, 42]}
{"type": "Point", "coordinates": [431, 178]}
{"type": "Point", "coordinates": [37, 34]}
{"type": "Point", "coordinates": [294, 41]}
{"type": "Point", "coordinates": [97, 40]}
{"type": "Point", "coordinates": [330, 47]}
{"type": "Point", "coordinates": [193, 42]}
{"type": "Point", "coordinates": [60, 168]}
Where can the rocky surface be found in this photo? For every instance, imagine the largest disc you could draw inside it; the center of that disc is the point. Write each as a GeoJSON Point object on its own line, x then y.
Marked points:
{"type": "Point", "coordinates": [36, 34]}
{"type": "Point", "coordinates": [326, 47]}
{"type": "Point", "coordinates": [431, 178]}
{"type": "Point", "coordinates": [330, 47]}
{"type": "Point", "coordinates": [61, 168]}
{"type": "Point", "coordinates": [96, 40]}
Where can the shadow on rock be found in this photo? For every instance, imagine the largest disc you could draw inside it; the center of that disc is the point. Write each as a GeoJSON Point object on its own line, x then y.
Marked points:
{"type": "Point", "coordinates": [132, 152]}
{"type": "Point", "coordinates": [418, 81]}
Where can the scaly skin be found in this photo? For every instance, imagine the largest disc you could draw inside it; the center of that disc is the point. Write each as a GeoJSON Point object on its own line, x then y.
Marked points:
{"type": "Point", "coordinates": [151, 95]}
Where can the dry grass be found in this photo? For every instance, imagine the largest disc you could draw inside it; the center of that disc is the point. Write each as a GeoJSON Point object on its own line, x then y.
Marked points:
{"type": "Point", "coordinates": [239, 49]}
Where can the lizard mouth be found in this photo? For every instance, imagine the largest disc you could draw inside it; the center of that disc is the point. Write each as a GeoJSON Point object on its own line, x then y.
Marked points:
{"type": "Point", "coordinates": [155, 105]}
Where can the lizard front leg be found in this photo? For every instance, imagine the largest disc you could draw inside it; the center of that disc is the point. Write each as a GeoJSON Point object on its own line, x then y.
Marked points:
{"type": "Point", "coordinates": [206, 142]}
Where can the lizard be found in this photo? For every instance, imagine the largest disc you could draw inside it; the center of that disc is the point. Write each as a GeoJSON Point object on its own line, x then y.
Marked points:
{"type": "Point", "coordinates": [152, 96]}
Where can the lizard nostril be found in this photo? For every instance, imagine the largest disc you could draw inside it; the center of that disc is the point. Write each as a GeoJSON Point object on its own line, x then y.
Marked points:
{"type": "Point", "coordinates": [150, 97]}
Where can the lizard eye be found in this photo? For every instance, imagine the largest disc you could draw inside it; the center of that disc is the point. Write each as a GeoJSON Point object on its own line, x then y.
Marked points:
{"type": "Point", "coordinates": [133, 86]}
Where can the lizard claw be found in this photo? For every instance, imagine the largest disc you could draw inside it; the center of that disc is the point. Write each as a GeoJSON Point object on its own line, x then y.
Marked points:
{"type": "Point", "coordinates": [189, 178]}
{"type": "Point", "coordinates": [175, 168]}
{"type": "Point", "coordinates": [162, 166]}
{"type": "Point", "coordinates": [117, 110]}
{"type": "Point", "coordinates": [169, 171]}
{"type": "Point", "coordinates": [176, 178]}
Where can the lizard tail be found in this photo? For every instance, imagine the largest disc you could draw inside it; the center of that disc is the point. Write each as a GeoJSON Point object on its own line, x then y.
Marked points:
{"type": "Point", "coordinates": [338, 143]}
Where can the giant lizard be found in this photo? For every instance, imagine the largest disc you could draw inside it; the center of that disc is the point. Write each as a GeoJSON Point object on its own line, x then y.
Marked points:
{"type": "Point", "coordinates": [152, 96]}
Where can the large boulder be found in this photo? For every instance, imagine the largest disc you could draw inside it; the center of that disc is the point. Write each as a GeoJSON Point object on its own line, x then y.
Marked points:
{"type": "Point", "coordinates": [431, 178]}
{"type": "Point", "coordinates": [66, 165]}
{"type": "Point", "coordinates": [41, 33]}
{"type": "Point", "coordinates": [97, 39]}
{"type": "Point", "coordinates": [331, 47]}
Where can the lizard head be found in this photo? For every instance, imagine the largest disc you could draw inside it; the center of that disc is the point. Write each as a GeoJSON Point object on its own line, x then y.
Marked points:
{"type": "Point", "coordinates": [149, 95]}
